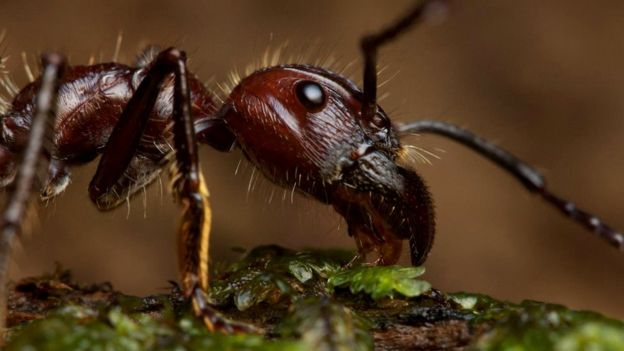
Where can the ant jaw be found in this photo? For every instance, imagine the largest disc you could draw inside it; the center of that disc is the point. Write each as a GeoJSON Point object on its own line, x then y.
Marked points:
{"type": "Point", "coordinates": [386, 202]}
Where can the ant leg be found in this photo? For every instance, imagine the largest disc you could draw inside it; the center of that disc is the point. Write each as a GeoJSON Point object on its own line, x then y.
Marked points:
{"type": "Point", "coordinates": [372, 239]}
{"type": "Point", "coordinates": [187, 180]}
{"type": "Point", "coordinates": [371, 43]}
{"type": "Point", "coordinates": [120, 168]}
{"type": "Point", "coordinates": [190, 190]}
{"type": "Point", "coordinates": [58, 179]}
{"type": "Point", "coordinates": [7, 166]}
{"type": "Point", "coordinates": [364, 243]}
{"type": "Point", "coordinates": [526, 174]}
{"type": "Point", "coordinates": [20, 191]}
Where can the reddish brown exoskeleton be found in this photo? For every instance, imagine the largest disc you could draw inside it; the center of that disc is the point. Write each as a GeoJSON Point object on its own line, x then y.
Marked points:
{"type": "Point", "coordinates": [303, 127]}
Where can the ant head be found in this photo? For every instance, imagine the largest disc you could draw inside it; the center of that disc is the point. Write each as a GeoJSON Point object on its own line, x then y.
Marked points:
{"type": "Point", "coordinates": [298, 121]}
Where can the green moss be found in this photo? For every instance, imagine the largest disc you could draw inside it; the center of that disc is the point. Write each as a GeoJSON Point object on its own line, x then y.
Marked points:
{"type": "Point", "coordinates": [273, 274]}
{"type": "Point", "coordinates": [301, 301]}
{"type": "Point", "coordinates": [79, 328]}
{"type": "Point", "coordinates": [381, 282]}
{"type": "Point", "coordinates": [533, 325]}
{"type": "Point", "coordinates": [483, 308]}
{"type": "Point", "coordinates": [592, 336]}
{"type": "Point", "coordinates": [326, 325]}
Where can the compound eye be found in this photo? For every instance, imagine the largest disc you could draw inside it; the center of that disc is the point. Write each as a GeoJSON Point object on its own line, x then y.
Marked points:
{"type": "Point", "coordinates": [310, 94]}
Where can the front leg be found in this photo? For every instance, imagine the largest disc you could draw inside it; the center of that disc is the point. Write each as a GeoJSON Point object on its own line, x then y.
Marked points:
{"type": "Point", "coordinates": [188, 184]}
{"type": "Point", "coordinates": [190, 190]}
{"type": "Point", "coordinates": [372, 235]}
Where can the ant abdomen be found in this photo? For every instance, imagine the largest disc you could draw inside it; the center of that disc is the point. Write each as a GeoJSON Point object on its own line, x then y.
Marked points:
{"type": "Point", "coordinates": [90, 102]}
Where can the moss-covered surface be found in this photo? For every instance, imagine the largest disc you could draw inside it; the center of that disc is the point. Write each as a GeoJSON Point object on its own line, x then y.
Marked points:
{"type": "Point", "coordinates": [298, 301]}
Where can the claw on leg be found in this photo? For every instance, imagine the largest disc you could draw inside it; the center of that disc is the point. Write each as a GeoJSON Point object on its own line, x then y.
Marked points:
{"type": "Point", "coordinates": [387, 248]}
{"type": "Point", "coordinates": [215, 320]}
{"type": "Point", "coordinates": [58, 179]}
{"type": "Point", "coordinates": [193, 241]}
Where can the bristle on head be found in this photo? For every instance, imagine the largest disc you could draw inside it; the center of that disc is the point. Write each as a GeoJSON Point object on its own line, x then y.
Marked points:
{"type": "Point", "coordinates": [285, 54]}
{"type": "Point", "coordinates": [408, 154]}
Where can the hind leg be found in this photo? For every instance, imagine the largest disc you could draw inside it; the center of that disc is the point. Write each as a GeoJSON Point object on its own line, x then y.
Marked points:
{"type": "Point", "coordinates": [21, 189]}
{"type": "Point", "coordinates": [7, 166]}
{"type": "Point", "coordinates": [58, 179]}
{"type": "Point", "coordinates": [140, 172]}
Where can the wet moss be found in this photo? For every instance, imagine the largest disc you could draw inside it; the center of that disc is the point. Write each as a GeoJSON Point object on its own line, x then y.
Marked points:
{"type": "Point", "coordinates": [272, 274]}
{"type": "Point", "coordinates": [299, 300]}
{"type": "Point", "coordinates": [324, 325]}
{"type": "Point", "coordinates": [381, 282]}
{"type": "Point", "coordinates": [80, 328]}
{"type": "Point", "coordinates": [533, 325]}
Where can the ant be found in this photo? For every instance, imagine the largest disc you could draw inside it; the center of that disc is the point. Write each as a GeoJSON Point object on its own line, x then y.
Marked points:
{"type": "Point", "coordinates": [304, 127]}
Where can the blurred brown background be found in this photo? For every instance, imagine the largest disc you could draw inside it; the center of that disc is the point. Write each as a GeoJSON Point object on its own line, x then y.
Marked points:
{"type": "Point", "coordinates": [543, 79]}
